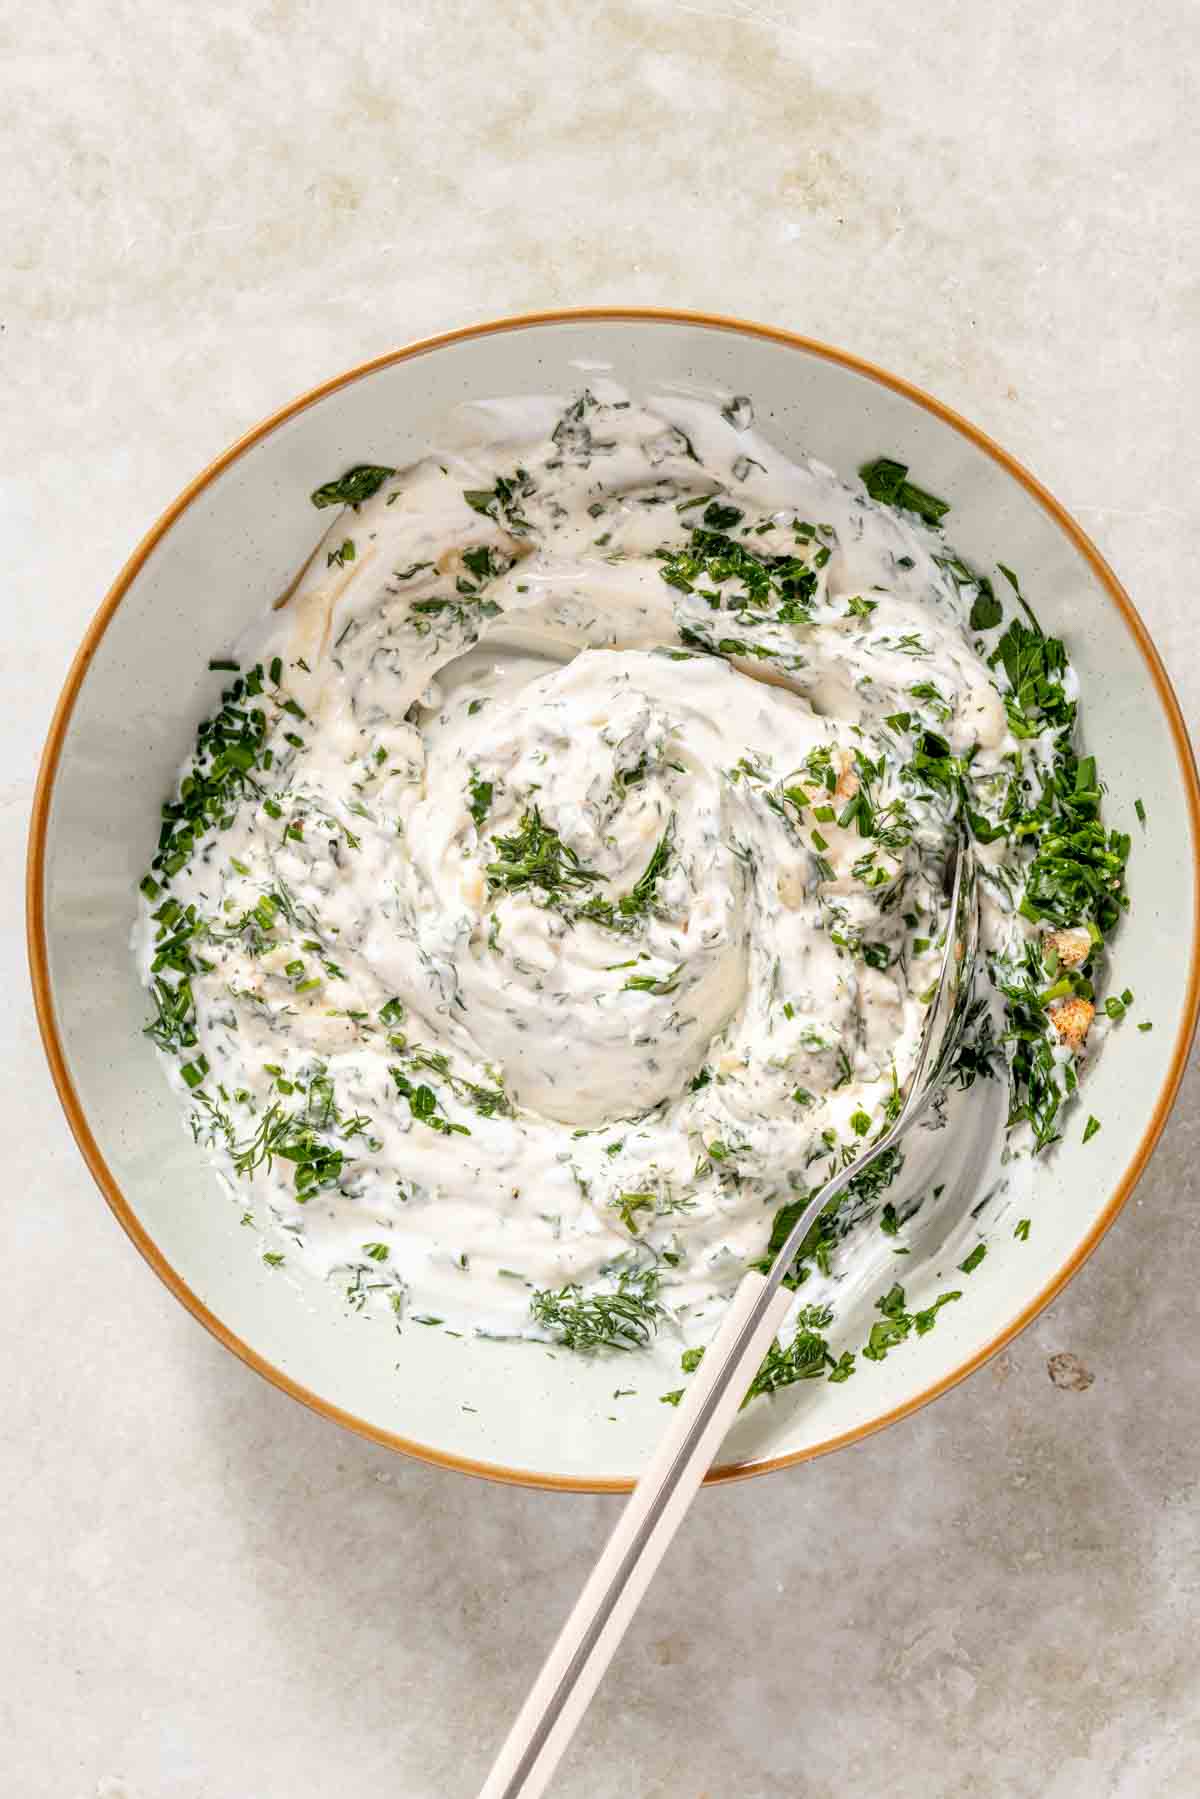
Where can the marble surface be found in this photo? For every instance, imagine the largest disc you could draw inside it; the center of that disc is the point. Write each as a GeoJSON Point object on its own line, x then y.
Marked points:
{"type": "Point", "coordinates": [211, 1594]}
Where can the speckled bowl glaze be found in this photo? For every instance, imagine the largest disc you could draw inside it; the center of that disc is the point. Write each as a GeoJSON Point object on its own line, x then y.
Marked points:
{"type": "Point", "coordinates": [227, 548]}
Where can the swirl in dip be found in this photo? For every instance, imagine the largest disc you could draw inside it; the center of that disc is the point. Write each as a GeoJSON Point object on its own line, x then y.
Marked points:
{"type": "Point", "coordinates": [567, 899]}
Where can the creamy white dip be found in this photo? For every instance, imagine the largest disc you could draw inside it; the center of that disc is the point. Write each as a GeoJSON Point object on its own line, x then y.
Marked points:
{"type": "Point", "coordinates": [576, 908]}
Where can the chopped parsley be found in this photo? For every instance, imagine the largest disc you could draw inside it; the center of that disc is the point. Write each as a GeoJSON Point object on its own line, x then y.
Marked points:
{"type": "Point", "coordinates": [986, 610]}
{"type": "Point", "coordinates": [897, 1323]}
{"type": "Point", "coordinates": [481, 798]}
{"type": "Point", "coordinates": [753, 585]}
{"type": "Point", "coordinates": [806, 1357]}
{"type": "Point", "coordinates": [423, 1104]}
{"type": "Point", "coordinates": [887, 481]}
{"type": "Point", "coordinates": [502, 503]}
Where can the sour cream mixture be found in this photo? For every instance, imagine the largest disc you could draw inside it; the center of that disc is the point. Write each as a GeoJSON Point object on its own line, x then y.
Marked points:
{"type": "Point", "coordinates": [573, 912]}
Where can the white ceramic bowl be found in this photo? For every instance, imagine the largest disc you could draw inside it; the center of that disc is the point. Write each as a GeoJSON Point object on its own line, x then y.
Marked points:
{"type": "Point", "coordinates": [221, 554]}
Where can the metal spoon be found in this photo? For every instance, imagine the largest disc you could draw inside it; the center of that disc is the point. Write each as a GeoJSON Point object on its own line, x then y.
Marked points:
{"type": "Point", "coordinates": [573, 1669]}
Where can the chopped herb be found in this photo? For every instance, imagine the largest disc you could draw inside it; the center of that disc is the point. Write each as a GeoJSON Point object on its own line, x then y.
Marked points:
{"type": "Point", "coordinates": [805, 1358]}
{"type": "Point", "coordinates": [503, 501]}
{"type": "Point", "coordinates": [641, 898]}
{"type": "Point", "coordinates": [352, 488]}
{"type": "Point", "coordinates": [423, 1104]}
{"type": "Point", "coordinates": [301, 1138]}
{"type": "Point", "coordinates": [887, 481]}
{"type": "Point", "coordinates": [897, 1323]}
{"type": "Point", "coordinates": [624, 1318]}
{"type": "Point", "coordinates": [1090, 1129]}
{"type": "Point", "coordinates": [986, 610]}
{"type": "Point", "coordinates": [651, 983]}
{"type": "Point", "coordinates": [536, 856]}
{"type": "Point", "coordinates": [758, 586]}
{"type": "Point", "coordinates": [481, 798]}
{"type": "Point", "coordinates": [629, 1205]}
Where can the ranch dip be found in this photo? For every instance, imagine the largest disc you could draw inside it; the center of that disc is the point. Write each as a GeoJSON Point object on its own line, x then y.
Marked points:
{"type": "Point", "coordinates": [559, 891]}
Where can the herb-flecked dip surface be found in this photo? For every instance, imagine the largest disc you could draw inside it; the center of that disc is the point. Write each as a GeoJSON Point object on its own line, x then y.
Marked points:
{"type": "Point", "coordinates": [553, 902]}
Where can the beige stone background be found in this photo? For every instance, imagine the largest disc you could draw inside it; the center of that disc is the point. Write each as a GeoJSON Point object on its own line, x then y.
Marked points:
{"type": "Point", "coordinates": [210, 1594]}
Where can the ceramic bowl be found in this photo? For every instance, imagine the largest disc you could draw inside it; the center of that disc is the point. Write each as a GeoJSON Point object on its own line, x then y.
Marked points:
{"type": "Point", "coordinates": [222, 554]}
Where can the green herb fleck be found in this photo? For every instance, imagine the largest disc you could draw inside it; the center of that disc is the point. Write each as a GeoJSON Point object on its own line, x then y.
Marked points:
{"type": "Point", "coordinates": [536, 856]}
{"type": "Point", "coordinates": [887, 481]}
{"type": "Point", "coordinates": [481, 798]}
{"type": "Point", "coordinates": [624, 1318]}
{"type": "Point", "coordinates": [352, 488]}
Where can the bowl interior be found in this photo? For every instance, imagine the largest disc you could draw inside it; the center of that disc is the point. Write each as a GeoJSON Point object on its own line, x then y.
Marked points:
{"type": "Point", "coordinates": [224, 554]}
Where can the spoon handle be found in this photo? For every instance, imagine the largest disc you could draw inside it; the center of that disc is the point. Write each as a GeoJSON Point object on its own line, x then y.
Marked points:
{"type": "Point", "coordinates": [574, 1667]}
